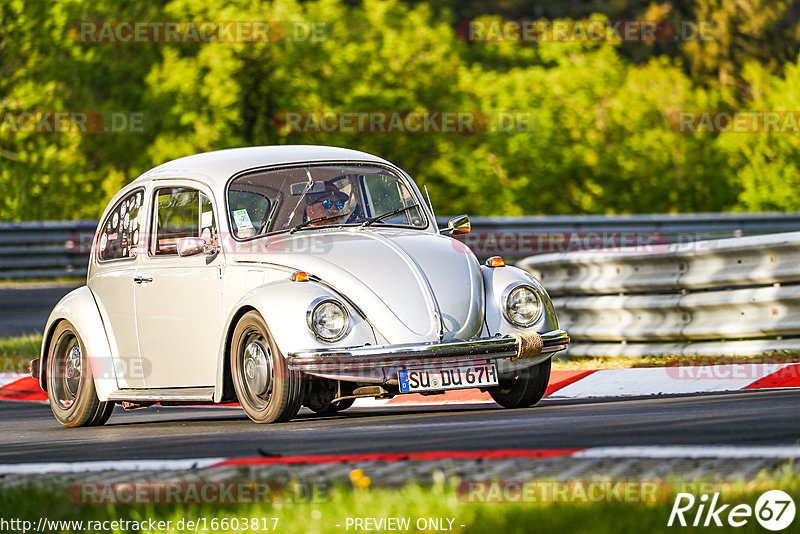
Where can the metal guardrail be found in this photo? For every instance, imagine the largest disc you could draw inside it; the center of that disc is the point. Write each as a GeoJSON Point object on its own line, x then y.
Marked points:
{"type": "Point", "coordinates": [520, 237]}
{"type": "Point", "coordinates": [53, 249]}
{"type": "Point", "coordinates": [45, 250]}
{"type": "Point", "coordinates": [728, 296]}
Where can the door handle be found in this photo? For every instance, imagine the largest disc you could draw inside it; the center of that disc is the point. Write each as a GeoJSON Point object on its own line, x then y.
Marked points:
{"type": "Point", "coordinates": [142, 279]}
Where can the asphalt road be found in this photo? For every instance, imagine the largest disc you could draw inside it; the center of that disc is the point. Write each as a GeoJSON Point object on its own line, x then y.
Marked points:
{"type": "Point", "coordinates": [24, 308]}
{"type": "Point", "coordinates": [30, 434]}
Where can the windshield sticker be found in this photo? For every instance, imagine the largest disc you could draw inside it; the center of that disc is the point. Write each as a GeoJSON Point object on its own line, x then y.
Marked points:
{"type": "Point", "coordinates": [242, 220]}
{"type": "Point", "coordinates": [207, 219]}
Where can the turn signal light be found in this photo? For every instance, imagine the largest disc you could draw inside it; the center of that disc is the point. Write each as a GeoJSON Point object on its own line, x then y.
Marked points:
{"type": "Point", "coordinates": [300, 276]}
{"type": "Point", "coordinates": [495, 261]}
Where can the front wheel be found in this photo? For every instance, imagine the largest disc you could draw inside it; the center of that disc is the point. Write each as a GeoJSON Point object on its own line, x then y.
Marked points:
{"type": "Point", "coordinates": [268, 390]}
{"type": "Point", "coordinates": [70, 388]}
{"type": "Point", "coordinates": [523, 388]}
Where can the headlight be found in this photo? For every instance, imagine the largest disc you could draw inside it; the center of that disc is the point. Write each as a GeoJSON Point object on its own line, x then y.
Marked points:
{"type": "Point", "coordinates": [523, 306]}
{"type": "Point", "coordinates": [328, 320]}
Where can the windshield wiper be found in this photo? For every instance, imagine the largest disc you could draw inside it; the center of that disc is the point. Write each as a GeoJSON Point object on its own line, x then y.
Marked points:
{"type": "Point", "coordinates": [312, 221]}
{"type": "Point", "coordinates": [381, 217]}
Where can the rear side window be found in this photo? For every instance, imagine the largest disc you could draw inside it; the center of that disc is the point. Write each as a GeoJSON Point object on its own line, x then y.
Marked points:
{"type": "Point", "coordinates": [120, 231]}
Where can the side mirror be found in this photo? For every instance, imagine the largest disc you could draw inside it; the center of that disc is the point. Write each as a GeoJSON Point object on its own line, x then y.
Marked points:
{"type": "Point", "coordinates": [458, 226]}
{"type": "Point", "coordinates": [191, 246]}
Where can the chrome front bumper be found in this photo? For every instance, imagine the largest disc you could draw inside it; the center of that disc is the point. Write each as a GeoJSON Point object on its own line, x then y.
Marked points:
{"type": "Point", "coordinates": [380, 364]}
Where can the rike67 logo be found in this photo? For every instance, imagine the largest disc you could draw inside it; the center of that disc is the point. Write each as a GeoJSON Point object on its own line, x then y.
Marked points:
{"type": "Point", "coordinates": [774, 510]}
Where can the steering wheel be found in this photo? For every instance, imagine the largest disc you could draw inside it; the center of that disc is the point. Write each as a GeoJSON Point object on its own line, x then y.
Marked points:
{"type": "Point", "coordinates": [355, 215]}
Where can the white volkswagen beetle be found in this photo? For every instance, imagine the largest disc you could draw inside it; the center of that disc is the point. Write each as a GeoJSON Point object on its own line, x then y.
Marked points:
{"type": "Point", "coordinates": [286, 276]}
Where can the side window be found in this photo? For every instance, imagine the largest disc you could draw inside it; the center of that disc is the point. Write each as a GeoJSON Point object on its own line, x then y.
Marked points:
{"type": "Point", "coordinates": [181, 212]}
{"type": "Point", "coordinates": [387, 194]}
{"type": "Point", "coordinates": [208, 224]}
{"type": "Point", "coordinates": [120, 231]}
{"type": "Point", "coordinates": [247, 210]}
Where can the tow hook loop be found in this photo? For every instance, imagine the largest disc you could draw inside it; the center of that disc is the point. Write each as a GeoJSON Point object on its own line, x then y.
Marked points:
{"type": "Point", "coordinates": [34, 367]}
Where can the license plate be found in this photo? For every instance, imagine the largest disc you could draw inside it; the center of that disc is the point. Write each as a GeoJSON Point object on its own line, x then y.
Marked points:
{"type": "Point", "coordinates": [435, 379]}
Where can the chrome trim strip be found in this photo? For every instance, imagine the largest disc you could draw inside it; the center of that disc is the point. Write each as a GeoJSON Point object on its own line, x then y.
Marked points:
{"type": "Point", "coordinates": [454, 351]}
{"type": "Point", "coordinates": [157, 395]}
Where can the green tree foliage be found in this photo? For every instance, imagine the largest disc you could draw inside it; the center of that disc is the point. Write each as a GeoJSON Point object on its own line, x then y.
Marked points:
{"type": "Point", "coordinates": [573, 127]}
{"type": "Point", "coordinates": [767, 164]}
{"type": "Point", "coordinates": [743, 31]}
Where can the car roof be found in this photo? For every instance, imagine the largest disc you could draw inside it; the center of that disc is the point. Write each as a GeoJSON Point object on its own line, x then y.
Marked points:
{"type": "Point", "coordinates": [218, 166]}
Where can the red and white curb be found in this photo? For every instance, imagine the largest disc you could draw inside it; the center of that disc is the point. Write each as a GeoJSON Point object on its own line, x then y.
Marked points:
{"type": "Point", "coordinates": [633, 382]}
{"type": "Point", "coordinates": [783, 452]}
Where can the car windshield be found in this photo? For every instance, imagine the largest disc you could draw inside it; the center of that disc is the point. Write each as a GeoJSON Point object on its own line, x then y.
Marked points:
{"type": "Point", "coordinates": [321, 195]}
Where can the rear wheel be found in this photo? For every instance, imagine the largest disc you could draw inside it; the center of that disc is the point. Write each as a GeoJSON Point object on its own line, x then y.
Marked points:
{"type": "Point", "coordinates": [268, 391]}
{"type": "Point", "coordinates": [332, 407]}
{"type": "Point", "coordinates": [523, 388]}
{"type": "Point", "coordinates": [321, 392]}
{"type": "Point", "coordinates": [70, 388]}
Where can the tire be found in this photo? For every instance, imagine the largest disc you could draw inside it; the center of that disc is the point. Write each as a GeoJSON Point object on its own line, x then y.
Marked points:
{"type": "Point", "coordinates": [321, 392]}
{"type": "Point", "coordinates": [70, 388]}
{"type": "Point", "coordinates": [525, 388]}
{"type": "Point", "coordinates": [103, 413]}
{"type": "Point", "coordinates": [267, 390]}
{"type": "Point", "coordinates": [333, 408]}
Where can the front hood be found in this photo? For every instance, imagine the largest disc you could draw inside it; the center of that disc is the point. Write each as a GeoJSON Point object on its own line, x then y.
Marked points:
{"type": "Point", "coordinates": [411, 285]}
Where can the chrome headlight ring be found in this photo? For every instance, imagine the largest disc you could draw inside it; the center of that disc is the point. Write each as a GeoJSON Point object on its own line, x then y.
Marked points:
{"type": "Point", "coordinates": [521, 304]}
{"type": "Point", "coordinates": [328, 320]}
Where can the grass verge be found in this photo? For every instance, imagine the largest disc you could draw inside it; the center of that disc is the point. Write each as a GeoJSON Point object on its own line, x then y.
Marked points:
{"type": "Point", "coordinates": [442, 501]}
{"type": "Point", "coordinates": [38, 282]}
